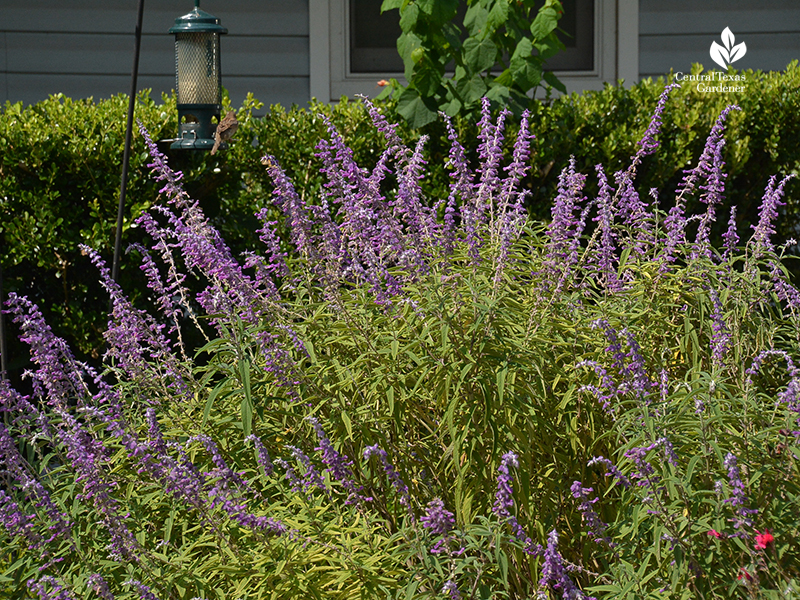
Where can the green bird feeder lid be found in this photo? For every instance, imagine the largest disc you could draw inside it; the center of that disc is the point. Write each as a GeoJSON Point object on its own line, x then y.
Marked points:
{"type": "Point", "coordinates": [197, 21]}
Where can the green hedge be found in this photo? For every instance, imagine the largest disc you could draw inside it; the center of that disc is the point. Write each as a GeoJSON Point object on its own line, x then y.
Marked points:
{"type": "Point", "coordinates": [61, 165]}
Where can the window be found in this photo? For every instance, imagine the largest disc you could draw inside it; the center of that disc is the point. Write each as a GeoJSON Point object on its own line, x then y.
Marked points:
{"type": "Point", "coordinates": [373, 37]}
{"type": "Point", "coordinates": [352, 46]}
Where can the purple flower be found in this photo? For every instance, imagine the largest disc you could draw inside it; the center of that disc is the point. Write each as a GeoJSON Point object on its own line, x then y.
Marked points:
{"type": "Point", "coordinates": [566, 228]}
{"type": "Point", "coordinates": [338, 465]}
{"type": "Point", "coordinates": [738, 498]}
{"type": "Point", "coordinates": [731, 237]}
{"type": "Point", "coordinates": [721, 337]}
{"type": "Point", "coordinates": [144, 592]}
{"type": "Point", "coordinates": [613, 470]}
{"type": "Point", "coordinates": [634, 214]}
{"type": "Point", "coordinates": [394, 477]}
{"type": "Point", "coordinates": [767, 214]}
{"type": "Point", "coordinates": [504, 501]}
{"type": "Point", "coordinates": [298, 219]}
{"type": "Point", "coordinates": [62, 378]}
{"type": "Point", "coordinates": [784, 290]}
{"type": "Point", "coordinates": [136, 342]}
{"type": "Point", "coordinates": [311, 477]}
{"type": "Point", "coordinates": [596, 528]}
{"type": "Point", "coordinates": [648, 144]}
{"type": "Point", "coordinates": [675, 224]}
{"type": "Point", "coordinates": [462, 187]}
{"type": "Point", "coordinates": [608, 390]}
{"type": "Point", "coordinates": [161, 170]}
{"type": "Point", "coordinates": [12, 516]}
{"type": "Point", "coordinates": [99, 586]}
{"type": "Point", "coordinates": [636, 371]}
{"type": "Point", "coordinates": [439, 521]}
{"type": "Point", "coordinates": [57, 590]}
{"type": "Point", "coordinates": [603, 256]}
{"type": "Point", "coordinates": [451, 589]}
{"type": "Point", "coordinates": [709, 164]}
{"type": "Point", "coordinates": [554, 572]}
{"type": "Point", "coordinates": [262, 455]}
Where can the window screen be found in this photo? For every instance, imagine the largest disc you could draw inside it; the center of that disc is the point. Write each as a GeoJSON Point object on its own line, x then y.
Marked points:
{"type": "Point", "coordinates": [373, 37]}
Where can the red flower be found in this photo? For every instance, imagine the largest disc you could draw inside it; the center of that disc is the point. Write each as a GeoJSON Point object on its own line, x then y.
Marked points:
{"type": "Point", "coordinates": [763, 539]}
{"type": "Point", "coordinates": [714, 533]}
{"type": "Point", "coordinates": [743, 574]}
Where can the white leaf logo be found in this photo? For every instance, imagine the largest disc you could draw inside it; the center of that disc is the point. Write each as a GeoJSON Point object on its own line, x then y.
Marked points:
{"type": "Point", "coordinates": [729, 53]}
{"type": "Point", "coordinates": [727, 38]}
{"type": "Point", "coordinates": [719, 55]}
{"type": "Point", "coordinates": [738, 52]}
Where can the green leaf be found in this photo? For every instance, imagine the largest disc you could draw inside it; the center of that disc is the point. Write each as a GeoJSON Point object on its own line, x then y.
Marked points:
{"type": "Point", "coordinates": [479, 55]}
{"type": "Point", "coordinates": [544, 23]}
{"type": "Point", "coordinates": [409, 16]}
{"type": "Point", "coordinates": [414, 110]}
{"type": "Point", "coordinates": [247, 400]}
{"type": "Point", "coordinates": [390, 4]}
{"type": "Point", "coordinates": [211, 397]}
{"type": "Point", "coordinates": [553, 81]}
{"type": "Point", "coordinates": [498, 94]}
{"type": "Point", "coordinates": [347, 424]}
{"type": "Point", "coordinates": [475, 20]}
{"type": "Point", "coordinates": [440, 11]}
{"type": "Point", "coordinates": [526, 70]}
{"type": "Point", "coordinates": [501, 383]}
{"type": "Point", "coordinates": [471, 90]}
{"type": "Point", "coordinates": [427, 76]}
{"type": "Point", "coordinates": [498, 16]}
{"type": "Point", "coordinates": [406, 44]}
{"type": "Point", "coordinates": [523, 50]}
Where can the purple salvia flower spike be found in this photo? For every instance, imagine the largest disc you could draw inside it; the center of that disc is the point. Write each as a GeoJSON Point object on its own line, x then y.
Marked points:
{"type": "Point", "coordinates": [720, 337]}
{"type": "Point", "coordinates": [554, 572]}
{"type": "Point", "coordinates": [451, 590]}
{"type": "Point", "coordinates": [767, 215]}
{"type": "Point", "coordinates": [738, 498]}
{"type": "Point", "coordinates": [298, 219]}
{"type": "Point", "coordinates": [504, 502]}
{"type": "Point", "coordinates": [648, 144]}
{"type": "Point", "coordinates": [604, 254]}
{"type": "Point", "coordinates": [596, 528]}
{"type": "Point", "coordinates": [337, 465]}
{"type": "Point", "coordinates": [705, 165]}
{"type": "Point", "coordinates": [731, 236]}
{"type": "Point", "coordinates": [262, 456]}
{"type": "Point", "coordinates": [394, 477]}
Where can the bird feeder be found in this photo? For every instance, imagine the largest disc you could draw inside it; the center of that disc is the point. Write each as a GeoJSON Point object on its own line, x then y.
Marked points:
{"type": "Point", "coordinates": [198, 79]}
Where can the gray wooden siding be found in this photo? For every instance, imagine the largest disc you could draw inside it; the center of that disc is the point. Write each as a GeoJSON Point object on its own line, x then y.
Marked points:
{"type": "Point", "coordinates": [676, 33]}
{"type": "Point", "coordinates": [84, 48]}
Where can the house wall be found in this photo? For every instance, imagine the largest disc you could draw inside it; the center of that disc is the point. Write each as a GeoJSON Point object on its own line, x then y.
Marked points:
{"type": "Point", "coordinates": [85, 48]}
{"type": "Point", "coordinates": [677, 33]}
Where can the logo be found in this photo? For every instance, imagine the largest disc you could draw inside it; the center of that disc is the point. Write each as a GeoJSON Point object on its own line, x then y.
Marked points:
{"type": "Point", "coordinates": [727, 53]}
{"type": "Point", "coordinates": [724, 56]}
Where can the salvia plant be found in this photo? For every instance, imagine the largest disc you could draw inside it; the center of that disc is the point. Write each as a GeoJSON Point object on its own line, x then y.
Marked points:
{"type": "Point", "coordinates": [412, 397]}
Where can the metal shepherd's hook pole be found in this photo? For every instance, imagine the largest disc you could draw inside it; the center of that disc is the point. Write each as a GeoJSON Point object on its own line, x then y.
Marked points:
{"type": "Point", "coordinates": [128, 135]}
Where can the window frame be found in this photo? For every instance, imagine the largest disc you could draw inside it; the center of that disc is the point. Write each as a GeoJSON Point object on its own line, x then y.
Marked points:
{"type": "Point", "coordinates": [616, 51]}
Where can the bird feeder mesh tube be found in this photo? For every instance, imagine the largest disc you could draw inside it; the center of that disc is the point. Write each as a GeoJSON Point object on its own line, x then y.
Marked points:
{"type": "Point", "coordinates": [197, 76]}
